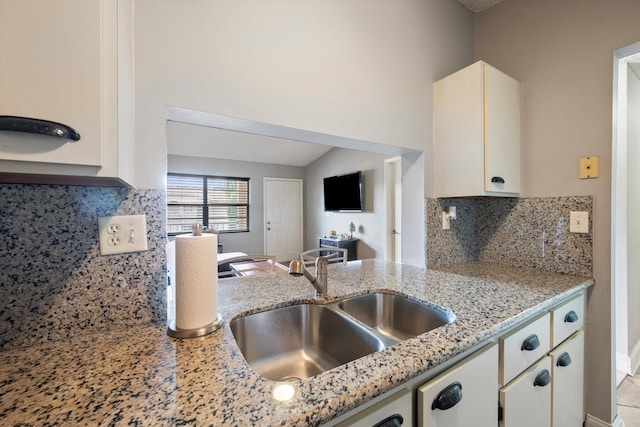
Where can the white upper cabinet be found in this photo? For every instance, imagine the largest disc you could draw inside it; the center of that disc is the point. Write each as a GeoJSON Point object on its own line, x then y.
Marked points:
{"type": "Point", "coordinates": [70, 62]}
{"type": "Point", "coordinates": [477, 133]}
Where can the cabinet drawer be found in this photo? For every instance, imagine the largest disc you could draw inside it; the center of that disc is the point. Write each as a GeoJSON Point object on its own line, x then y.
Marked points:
{"type": "Point", "coordinates": [396, 407]}
{"type": "Point", "coordinates": [567, 319]}
{"type": "Point", "coordinates": [521, 348]}
{"type": "Point", "coordinates": [526, 401]}
{"type": "Point", "coordinates": [567, 366]}
{"type": "Point", "coordinates": [328, 243]}
{"type": "Point", "coordinates": [473, 382]}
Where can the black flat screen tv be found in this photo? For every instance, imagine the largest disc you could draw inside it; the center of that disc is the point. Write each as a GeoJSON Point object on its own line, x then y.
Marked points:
{"type": "Point", "coordinates": [343, 193]}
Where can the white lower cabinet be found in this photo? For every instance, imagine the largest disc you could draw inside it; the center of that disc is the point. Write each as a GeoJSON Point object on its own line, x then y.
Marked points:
{"type": "Point", "coordinates": [531, 376]}
{"type": "Point", "coordinates": [567, 366]}
{"type": "Point", "coordinates": [464, 395]}
{"type": "Point", "coordinates": [526, 401]}
{"type": "Point", "coordinates": [549, 387]}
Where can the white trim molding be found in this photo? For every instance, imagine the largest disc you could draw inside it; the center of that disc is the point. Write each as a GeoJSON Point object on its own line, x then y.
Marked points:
{"type": "Point", "coordinates": [596, 422]}
{"type": "Point", "coordinates": [634, 359]}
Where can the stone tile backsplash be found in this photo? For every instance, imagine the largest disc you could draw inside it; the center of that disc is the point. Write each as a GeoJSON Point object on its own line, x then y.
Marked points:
{"type": "Point", "coordinates": [524, 232]}
{"type": "Point", "coordinates": [53, 281]}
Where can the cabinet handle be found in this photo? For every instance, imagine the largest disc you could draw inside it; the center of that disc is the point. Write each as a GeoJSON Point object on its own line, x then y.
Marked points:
{"type": "Point", "coordinates": [38, 126]}
{"type": "Point", "coordinates": [448, 398]}
{"type": "Point", "coordinates": [394, 420]}
{"type": "Point", "coordinates": [564, 359]}
{"type": "Point", "coordinates": [571, 317]}
{"type": "Point", "coordinates": [530, 343]}
{"type": "Point", "coordinates": [498, 179]}
{"type": "Point", "coordinates": [543, 378]}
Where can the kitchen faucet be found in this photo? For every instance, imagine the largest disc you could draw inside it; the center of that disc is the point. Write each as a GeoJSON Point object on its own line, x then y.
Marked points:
{"type": "Point", "coordinates": [319, 281]}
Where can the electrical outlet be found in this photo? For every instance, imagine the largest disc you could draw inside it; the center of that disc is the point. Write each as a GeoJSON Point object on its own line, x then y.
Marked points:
{"type": "Point", "coordinates": [579, 222]}
{"type": "Point", "coordinates": [447, 216]}
{"type": "Point", "coordinates": [122, 234]}
{"type": "Point", "coordinates": [588, 167]}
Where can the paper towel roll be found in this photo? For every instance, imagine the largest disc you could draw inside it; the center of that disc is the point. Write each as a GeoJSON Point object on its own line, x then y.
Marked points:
{"type": "Point", "coordinates": [196, 280]}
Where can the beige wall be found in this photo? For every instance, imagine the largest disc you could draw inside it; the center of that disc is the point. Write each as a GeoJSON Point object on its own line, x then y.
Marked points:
{"type": "Point", "coordinates": [562, 53]}
{"type": "Point", "coordinates": [370, 225]}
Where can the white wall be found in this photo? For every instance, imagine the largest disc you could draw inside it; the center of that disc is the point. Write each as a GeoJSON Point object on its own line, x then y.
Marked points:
{"type": "Point", "coordinates": [253, 241]}
{"type": "Point", "coordinates": [353, 68]}
{"type": "Point", "coordinates": [561, 52]}
{"type": "Point", "coordinates": [370, 223]}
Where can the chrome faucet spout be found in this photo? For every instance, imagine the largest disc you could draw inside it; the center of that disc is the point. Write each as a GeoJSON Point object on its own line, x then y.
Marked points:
{"type": "Point", "coordinates": [319, 281]}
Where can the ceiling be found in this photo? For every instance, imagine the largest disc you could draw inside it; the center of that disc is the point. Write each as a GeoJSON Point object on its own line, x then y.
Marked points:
{"type": "Point", "coordinates": [203, 134]}
{"type": "Point", "coordinates": [478, 5]}
{"type": "Point", "coordinates": [202, 141]}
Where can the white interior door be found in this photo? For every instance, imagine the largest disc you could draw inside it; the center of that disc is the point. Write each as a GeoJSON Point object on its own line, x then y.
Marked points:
{"type": "Point", "coordinates": [393, 209]}
{"type": "Point", "coordinates": [283, 218]}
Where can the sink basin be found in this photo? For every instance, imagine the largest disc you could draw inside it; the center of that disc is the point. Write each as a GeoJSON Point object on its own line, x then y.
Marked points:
{"type": "Point", "coordinates": [303, 340]}
{"type": "Point", "coordinates": [395, 316]}
{"type": "Point", "coordinates": [300, 341]}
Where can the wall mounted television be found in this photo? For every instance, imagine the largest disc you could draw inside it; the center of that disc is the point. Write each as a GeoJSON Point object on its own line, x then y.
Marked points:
{"type": "Point", "coordinates": [343, 193]}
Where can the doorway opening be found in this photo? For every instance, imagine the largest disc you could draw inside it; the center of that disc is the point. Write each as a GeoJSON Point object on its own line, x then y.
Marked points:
{"type": "Point", "coordinates": [393, 209]}
{"type": "Point", "coordinates": [283, 218]}
{"type": "Point", "coordinates": [625, 200]}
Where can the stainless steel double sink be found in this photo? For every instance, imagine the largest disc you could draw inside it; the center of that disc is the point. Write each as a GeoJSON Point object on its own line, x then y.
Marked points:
{"type": "Point", "coordinates": [303, 340]}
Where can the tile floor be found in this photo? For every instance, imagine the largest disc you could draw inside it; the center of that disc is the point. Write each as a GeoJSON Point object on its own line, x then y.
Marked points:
{"type": "Point", "coordinates": [629, 400]}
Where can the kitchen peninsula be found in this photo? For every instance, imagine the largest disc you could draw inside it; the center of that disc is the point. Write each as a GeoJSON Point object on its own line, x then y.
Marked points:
{"type": "Point", "coordinates": [141, 376]}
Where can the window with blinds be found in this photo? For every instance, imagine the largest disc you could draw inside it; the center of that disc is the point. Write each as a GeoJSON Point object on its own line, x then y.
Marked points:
{"type": "Point", "coordinates": [216, 202]}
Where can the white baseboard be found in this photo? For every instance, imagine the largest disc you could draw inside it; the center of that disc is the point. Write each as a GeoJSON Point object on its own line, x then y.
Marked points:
{"type": "Point", "coordinates": [629, 364]}
{"type": "Point", "coordinates": [623, 363]}
{"type": "Point", "coordinates": [596, 422]}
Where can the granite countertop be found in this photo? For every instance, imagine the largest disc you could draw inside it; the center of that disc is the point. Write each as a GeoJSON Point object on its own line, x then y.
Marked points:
{"type": "Point", "coordinates": [141, 376]}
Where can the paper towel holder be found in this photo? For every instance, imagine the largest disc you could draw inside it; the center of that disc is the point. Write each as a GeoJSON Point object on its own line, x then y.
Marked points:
{"type": "Point", "coordinates": [175, 332]}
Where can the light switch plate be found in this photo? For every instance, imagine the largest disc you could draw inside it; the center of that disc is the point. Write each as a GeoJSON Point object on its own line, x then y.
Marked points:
{"type": "Point", "coordinates": [446, 221]}
{"type": "Point", "coordinates": [579, 222]}
{"type": "Point", "coordinates": [122, 234]}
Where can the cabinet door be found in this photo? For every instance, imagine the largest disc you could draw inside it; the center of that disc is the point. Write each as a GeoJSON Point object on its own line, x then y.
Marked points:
{"type": "Point", "coordinates": [51, 69]}
{"type": "Point", "coordinates": [502, 132]}
{"type": "Point", "coordinates": [68, 61]}
{"type": "Point", "coordinates": [568, 382]}
{"type": "Point", "coordinates": [465, 395]}
{"type": "Point", "coordinates": [526, 401]}
{"type": "Point", "coordinates": [397, 407]}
